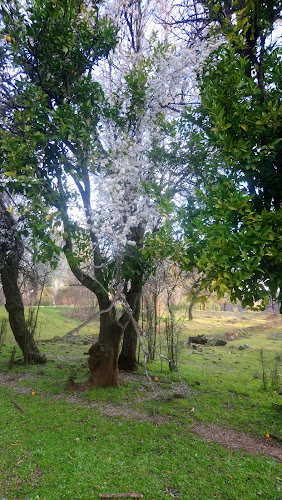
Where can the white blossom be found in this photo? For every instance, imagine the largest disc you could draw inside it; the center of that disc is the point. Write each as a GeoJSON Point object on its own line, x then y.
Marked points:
{"type": "Point", "coordinates": [170, 84]}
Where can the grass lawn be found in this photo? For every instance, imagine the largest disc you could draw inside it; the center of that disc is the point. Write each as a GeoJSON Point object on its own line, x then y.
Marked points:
{"type": "Point", "coordinates": [54, 321]}
{"type": "Point", "coordinates": [138, 437]}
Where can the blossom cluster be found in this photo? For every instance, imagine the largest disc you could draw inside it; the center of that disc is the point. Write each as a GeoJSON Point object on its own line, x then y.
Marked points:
{"type": "Point", "coordinates": [168, 80]}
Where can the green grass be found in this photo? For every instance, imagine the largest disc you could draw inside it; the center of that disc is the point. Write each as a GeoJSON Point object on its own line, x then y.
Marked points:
{"type": "Point", "coordinates": [215, 323]}
{"type": "Point", "coordinates": [66, 447]}
{"type": "Point", "coordinates": [52, 321]}
{"type": "Point", "coordinates": [57, 450]}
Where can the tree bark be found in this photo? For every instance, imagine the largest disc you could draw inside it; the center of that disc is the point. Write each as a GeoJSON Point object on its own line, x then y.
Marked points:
{"type": "Point", "coordinates": [11, 250]}
{"type": "Point", "coordinates": [103, 360]}
{"type": "Point", "coordinates": [127, 359]}
{"type": "Point", "coordinates": [190, 309]}
{"type": "Point", "coordinates": [15, 308]}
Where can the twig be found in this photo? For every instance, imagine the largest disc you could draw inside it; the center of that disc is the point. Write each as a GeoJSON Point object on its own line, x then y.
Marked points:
{"type": "Point", "coordinates": [97, 313]}
{"type": "Point", "coordinates": [120, 495]}
{"type": "Point", "coordinates": [18, 406]}
{"type": "Point", "coordinates": [76, 330]}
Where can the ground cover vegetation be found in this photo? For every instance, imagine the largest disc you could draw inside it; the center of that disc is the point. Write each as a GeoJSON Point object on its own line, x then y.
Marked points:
{"type": "Point", "coordinates": [176, 443]}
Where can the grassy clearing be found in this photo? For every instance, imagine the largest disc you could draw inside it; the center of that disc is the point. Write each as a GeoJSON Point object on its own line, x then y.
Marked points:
{"type": "Point", "coordinates": [57, 450]}
{"type": "Point", "coordinates": [217, 322]}
{"type": "Point", "coordinates": [53, 321]}
{"type": "Point", "coordinates": [107, 440]}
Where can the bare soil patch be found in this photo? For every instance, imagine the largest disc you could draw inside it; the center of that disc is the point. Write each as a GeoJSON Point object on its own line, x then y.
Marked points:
{"type": "Point", "coordinates": [239, 440]}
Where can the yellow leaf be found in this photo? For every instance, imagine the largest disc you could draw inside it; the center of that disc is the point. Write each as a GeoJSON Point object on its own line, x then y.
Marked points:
{"type": "Point", "coordinates": [10, 210]}
{"type": "Point", "coordinates": [241, 12]}
{"type": "Point", "coordinates": [244, 127]}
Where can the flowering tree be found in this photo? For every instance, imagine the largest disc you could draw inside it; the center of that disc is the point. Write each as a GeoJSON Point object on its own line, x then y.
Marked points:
{"type": "Point", "coordinates": [78, 136]}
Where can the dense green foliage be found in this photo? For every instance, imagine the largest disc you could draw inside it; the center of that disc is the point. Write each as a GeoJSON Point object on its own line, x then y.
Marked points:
{"type": "Point", "coordinates": [50, 108]}
{"type": "Point", "coordinates": [240, 114]}
{"type": "Point", "coordinates": [230, 227]}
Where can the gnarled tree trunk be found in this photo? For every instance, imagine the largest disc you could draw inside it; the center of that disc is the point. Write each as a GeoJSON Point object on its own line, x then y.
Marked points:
{"type": "Point", "coordinates": [15, 308]}
{"type": "Point", "coordinates": [11, 250]}
{"type": "Point", "coordinates": [103, 360]}
{"type": "Point", "coordinates": [104, 355]}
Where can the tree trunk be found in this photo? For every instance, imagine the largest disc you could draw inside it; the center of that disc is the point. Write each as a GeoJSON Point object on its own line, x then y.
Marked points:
{"type": "Point", "coordinates": [15, 308]}
{"type": "Point", "coordinates": [127, 359]}
{"type": "Point", "coordinates": [192, 302]}
{"type": "Point", "coordinates": [11, 250]}
{"type": "Point", "coordinates": [196, 292]}
{"type": "Point", "coordinates": [103, 360]}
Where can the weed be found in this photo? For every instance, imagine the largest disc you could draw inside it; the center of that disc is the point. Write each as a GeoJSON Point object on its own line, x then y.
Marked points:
{"type": "Point", "coordinates": [264, 372]}
{"type": "Point", "coordinates": [275, 375]}
{"type": "Point", "coordinates": [3, 332]}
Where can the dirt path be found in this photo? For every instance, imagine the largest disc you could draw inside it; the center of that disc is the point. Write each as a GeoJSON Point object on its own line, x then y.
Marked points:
{"type": "Point", "coordinates": [209, 432]}
{"type": "Point", "coordinates": [239, 440]}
